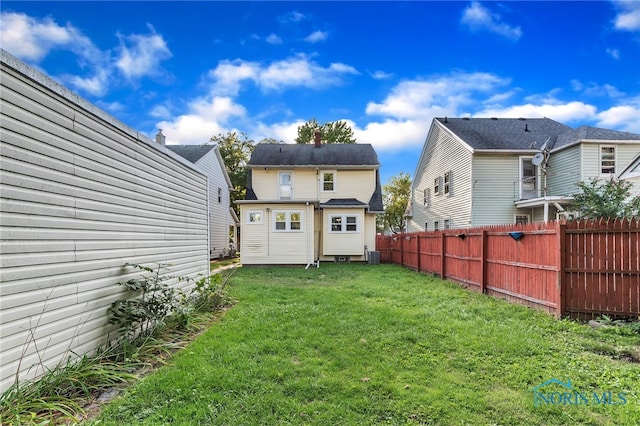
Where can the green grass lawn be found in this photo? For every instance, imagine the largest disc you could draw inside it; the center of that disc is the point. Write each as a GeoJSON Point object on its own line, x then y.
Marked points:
{"type": "Point", "coordinates": [352, 344]}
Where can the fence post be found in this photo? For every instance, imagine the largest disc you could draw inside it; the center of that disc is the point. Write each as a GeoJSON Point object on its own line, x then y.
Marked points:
{"type": "Point", "coordinates": [483, 261]}
{"type": "Point", "coordinates": [443, 259]}
{"type": "Point", "coordinates": [418, 249]}
{"type": "Point", "coordinates": [562, 292]}
{"type": "Point", "coordinates": [401, 240]}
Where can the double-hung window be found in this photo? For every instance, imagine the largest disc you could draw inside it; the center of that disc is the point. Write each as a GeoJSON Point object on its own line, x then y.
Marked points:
{"type": "Point", "coordinates": [436, 186]}
{"type": "Point", "coordinates": [447, 183]}
{"type": "Point", "coordinates": [344, 223]}
{"type": "Point", "coordinates": [287, 221]}
{"type": "Point", "coordinates": [285, 180]}
{"type": "Point", "coordinates": [607, 160]}
{"type": "Point", "coordinates": [425, 197]}
{"type": "Point", "coordinates": [328, 181]}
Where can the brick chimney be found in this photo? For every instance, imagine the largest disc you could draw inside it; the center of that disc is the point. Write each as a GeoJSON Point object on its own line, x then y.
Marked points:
{"type": "Point", "coordinates": [160, 138]}
{"type": "Point", "coordinates": [317, 138]}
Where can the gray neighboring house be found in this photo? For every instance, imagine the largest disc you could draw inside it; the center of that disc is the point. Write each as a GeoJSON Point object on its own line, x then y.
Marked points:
{"type": "Point", "coordinates": [487, 171]}
{"type": "Point", "coordinates": [223, 221]}
{"type": "Point", "coordinates": [632, 174]}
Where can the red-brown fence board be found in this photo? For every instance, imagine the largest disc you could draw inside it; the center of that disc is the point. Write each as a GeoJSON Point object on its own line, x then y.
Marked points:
{"type": "Point", "coordinates": [580, 268]}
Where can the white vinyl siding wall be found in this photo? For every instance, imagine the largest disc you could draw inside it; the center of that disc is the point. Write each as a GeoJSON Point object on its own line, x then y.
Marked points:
{"type": "Point", "coordinates": [343, 243]}
{"type": "Point", "coordinates": [564, 171]}
{"type": "Point", "coordinates": [496, 183]}
{"type": "Point", "coordinates": [261, 244]}
{"type": "Point", "coordinates": [81, 195]}
{"type": "Point", "coordinates": [625, 153]}
{"type": "Point", "coordinates": [442, 154]}
{"type": "Point", "coordinates": [219, 217]}
{"type": "Point", "coordinates": [359, 184]}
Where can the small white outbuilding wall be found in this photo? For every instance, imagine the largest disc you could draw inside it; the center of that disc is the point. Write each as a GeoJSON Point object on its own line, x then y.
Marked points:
{"type": "Point", "coordinates": [81, 194]}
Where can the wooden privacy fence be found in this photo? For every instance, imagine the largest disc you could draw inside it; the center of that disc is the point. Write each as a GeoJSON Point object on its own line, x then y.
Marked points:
{"type": "Point", "coordinates": [579, 269]}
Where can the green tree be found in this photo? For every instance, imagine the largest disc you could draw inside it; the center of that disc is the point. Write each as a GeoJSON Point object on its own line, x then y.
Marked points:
{"type": "Point", "coordinates": [235, 149]}
{"type": "Point", "coordinates": [395, 198]}
{"type": "Point", "coordinates": [332, 132]}
{"type": "Point", "coordinates": [606, 198]}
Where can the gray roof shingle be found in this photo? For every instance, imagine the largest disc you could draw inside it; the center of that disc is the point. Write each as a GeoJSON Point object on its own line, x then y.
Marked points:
{"type": "Point", "coordinates": [301, 155]}
{"type": "Point", "coordinates": [191, 152]}
{"type": "Point", "coordinates": [505, 133]}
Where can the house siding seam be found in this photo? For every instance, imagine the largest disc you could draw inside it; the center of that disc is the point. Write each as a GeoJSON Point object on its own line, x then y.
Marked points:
{"type": "Point", "coordinates": [81, 195]}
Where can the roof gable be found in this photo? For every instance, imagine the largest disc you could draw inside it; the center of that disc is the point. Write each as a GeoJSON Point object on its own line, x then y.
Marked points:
{"type": "Point", "coordinates": [308, 155]}
{"type": "Point", "coordinates": [192, 153]}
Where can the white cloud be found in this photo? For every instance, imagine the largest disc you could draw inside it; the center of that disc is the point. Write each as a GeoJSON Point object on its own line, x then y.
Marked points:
{"type": "Point", "coordinates": [297, 71]}
{"type": "Point", "coordinates": [563, 112]}
{"type": "Point", "coordinates": [273, 39]}
{"type": "Point", "coordinates": [316, 37]}
{"type": "Point", "coordinates": [420, 98]}
{"type": "Point", "coordinates": [478, 18]}
{"type": "Point", "coordinates": [381, 75]}
{"type": "Point", "coordinates": [141, 54]}
{"type": "Point", "coordinates": [205, 118]}
{"type": "Point", "coordinates": [625, 118]}
{"type": "Point", "coordinates": [292, 17]}
{"type": "Point", "coordinates": [614, 53]}
{"type": "Point", "coordinates": [628, 18]}
{"type": "Point", "coordinates": [32, 39]}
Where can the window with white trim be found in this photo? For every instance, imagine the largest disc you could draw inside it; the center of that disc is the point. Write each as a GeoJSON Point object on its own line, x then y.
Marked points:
{"type": "Point", "coordinates": [219, 195]}
{"type": "Point", "coordinates": [447, 183]}
{"type": "Point", "coordinates": [521, 219]}
{"type": "Point", "coordinates": [425, 197]}
{"type": "Point", "coordinates": [436, 225]}
{"type": "Point", "coordinates": [328, 181]}
{"type": "Point", "coordinates": [436, 186]}
{"type": "Point", "coordinates": [254, 217]}
{"type": "Point", "coordinates": [447, 224]}
{"type": "Point", "coordinates": [287, 221]}
{"type": "Point", "coordinates": [607, 159]}
{"type": "Point", "coordinates": [343, 223]}
{"type": "Point", "coordinates": [285, 180]}
{"type": "Point", "coordinates": [426, 226]}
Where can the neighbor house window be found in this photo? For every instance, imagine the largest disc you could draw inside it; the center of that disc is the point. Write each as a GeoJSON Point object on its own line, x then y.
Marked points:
{"type": "Point", "coordinates": [426, 226]}
{"type": "Point", "coordinates": [329, 181]}
{"type": "Point", "coordinates": [522, 219]}
{"type": "Point", "coordinates": [285, 179]}
{"type": "Point", "coordinates": [447, 182]}
{"type": "Point", "coordinates": [287, 221]}
{"type": "Point", "coordinates": [607, 160]}
{"type": "Point", "coordinates": [254, 217]}
{"type": "Point", "coordinates": [436, 225]}
{"type": "Point", "coordinates": [528, 179]}
{"type": "Point", "coordinates": [425, 197]}
{"type": "Point", "coordinates": [219, 195]}
{"type": "Point", "coordinates": [447, 224]}
{"type": "Point", "coordinates": [436, 185]}
{"type": "Point", "coordinates": [344, 223]}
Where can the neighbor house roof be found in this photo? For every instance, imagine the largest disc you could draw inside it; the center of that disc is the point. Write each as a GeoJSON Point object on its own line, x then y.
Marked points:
{"type": "Point", "coordinates": [589, 133]}
{"type": "Point", "coordinates": [191, 152]}
{"type": "Point", "coordinates": [505, 133]}
{"type": "Point", "coordinates": [308, 155]}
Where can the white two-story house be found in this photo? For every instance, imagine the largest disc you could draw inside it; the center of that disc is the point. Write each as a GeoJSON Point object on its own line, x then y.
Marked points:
{"type": "Point", "coordinates": [308, 203]}
{"type": "Point", "coordinates": [223, 221]}
{"type": "Point", "coordinates": [486, 171]}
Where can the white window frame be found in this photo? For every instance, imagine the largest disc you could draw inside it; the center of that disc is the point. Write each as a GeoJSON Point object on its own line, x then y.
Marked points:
{"type": "Point", "coordinates": [601, 148]}
{"type": "Point", "coordinates": [287, 220]}
{"type": "Point", "coordinates": [282, 186]}
{"type": "Point", "coordinates": [536, 177]}
{"type": "Point", "coordinates": [526, 216]}
{"type": "Point", "coordinates": [322, 181]}
{"type": "Point", "coordinates": [436, 186]}
{"type": "Point", "coordinates": [426, 194]}
{"type": "Point", "coordinates": [436, 225]}
{"type": "Point", "coordinates": [251, 217]}
{"type": "Point", "coordinates": [219, 195]}
{"type": "Point", "coordinates": [447, 224]}
{"type": "Point", "coordinates": [344, 224]}
{"type": "Point", "coordinates": [447, 187]}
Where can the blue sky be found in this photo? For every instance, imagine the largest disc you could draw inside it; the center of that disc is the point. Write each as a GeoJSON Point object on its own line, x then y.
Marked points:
{"type": "Point", "coordinates": [197, 69]}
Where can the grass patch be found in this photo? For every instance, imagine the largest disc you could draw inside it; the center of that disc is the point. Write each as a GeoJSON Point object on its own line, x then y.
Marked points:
{"type": "Point", "coordinates": [363, 344]}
